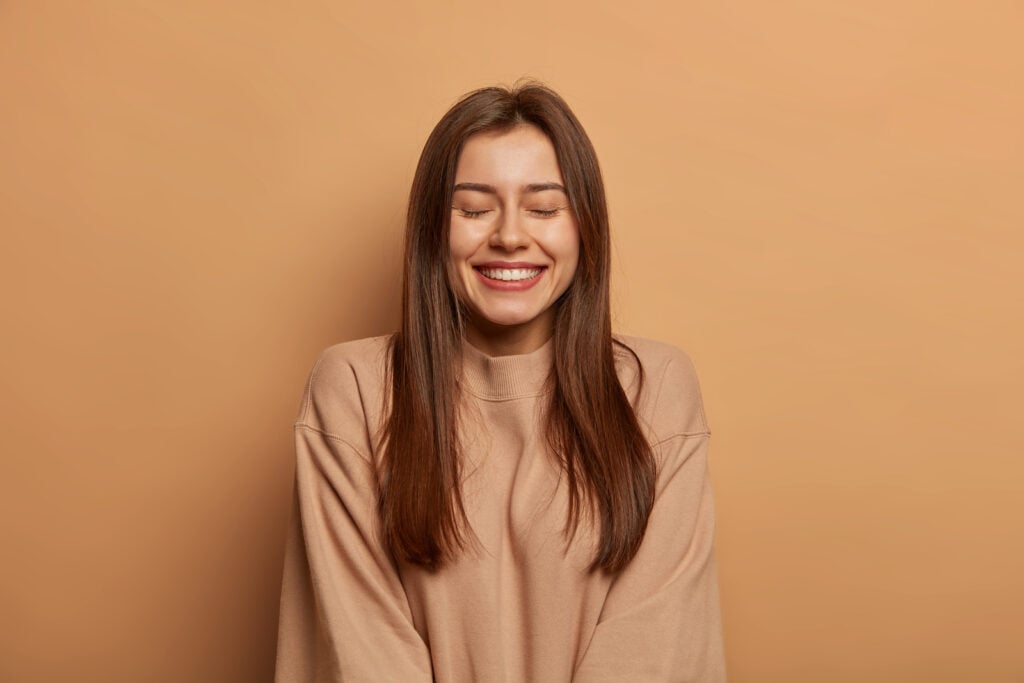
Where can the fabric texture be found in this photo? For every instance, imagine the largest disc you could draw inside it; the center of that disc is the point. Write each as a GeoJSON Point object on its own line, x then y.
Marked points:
{"type": "Point", "coordinates": [522, 606]}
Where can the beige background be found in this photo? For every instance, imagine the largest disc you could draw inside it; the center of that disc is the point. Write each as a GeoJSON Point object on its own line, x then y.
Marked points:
{"type": "Point", "coordinates": [821, 202]}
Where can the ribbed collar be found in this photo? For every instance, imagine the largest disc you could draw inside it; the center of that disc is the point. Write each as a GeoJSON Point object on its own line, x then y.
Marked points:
{"type": "Point", "coordinates": [498, 378]}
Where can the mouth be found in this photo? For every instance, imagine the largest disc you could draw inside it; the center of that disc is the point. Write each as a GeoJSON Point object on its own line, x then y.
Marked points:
{"type": "Point", "coordinates": [510, 274]}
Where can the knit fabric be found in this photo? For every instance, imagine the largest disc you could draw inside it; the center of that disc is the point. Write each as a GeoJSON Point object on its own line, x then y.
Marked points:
{"type": "Point", "coordinates": [520, 605]}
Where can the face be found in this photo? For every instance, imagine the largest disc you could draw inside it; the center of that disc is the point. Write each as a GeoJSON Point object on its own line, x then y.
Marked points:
{"type": "Point", "coordinates": [514, 242]}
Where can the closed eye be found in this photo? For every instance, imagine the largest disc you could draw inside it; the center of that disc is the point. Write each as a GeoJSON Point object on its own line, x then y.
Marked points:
{"type": "Point", "coordinates": [545, 212]}
{"type": "Point", "coordinates": [470, 213]}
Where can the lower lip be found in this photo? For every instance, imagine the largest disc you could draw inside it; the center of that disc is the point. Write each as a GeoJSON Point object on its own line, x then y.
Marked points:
{"type": "Point", "coordinates": [510, 285]}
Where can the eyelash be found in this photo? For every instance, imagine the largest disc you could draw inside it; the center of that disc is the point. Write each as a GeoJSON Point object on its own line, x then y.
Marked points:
{"type": "Point", "coordinates": [546, 213]}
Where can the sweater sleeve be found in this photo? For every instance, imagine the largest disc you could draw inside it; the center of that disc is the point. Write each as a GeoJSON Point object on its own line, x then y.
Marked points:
{"type": "Point", "coordinates": [344, 615]}
{"type": "Point", "coordinates": [661, 619]}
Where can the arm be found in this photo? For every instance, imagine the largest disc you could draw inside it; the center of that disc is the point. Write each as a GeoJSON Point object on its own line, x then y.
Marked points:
{"type": "Point", "coordinates": [661, 620]}
{"type": "Point", "coordinates": [344, 614]}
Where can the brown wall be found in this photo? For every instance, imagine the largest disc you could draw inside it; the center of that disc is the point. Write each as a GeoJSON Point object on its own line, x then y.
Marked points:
{"type": "Point", "coordinates": [821, 202]}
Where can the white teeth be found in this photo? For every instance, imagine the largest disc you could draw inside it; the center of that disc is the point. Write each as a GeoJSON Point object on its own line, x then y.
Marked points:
{"type": "Point", "coordinates": [510, 274]}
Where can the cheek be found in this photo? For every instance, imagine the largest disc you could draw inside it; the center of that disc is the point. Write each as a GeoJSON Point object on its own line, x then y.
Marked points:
{"type": "Point", "coordinates": [453, 268]}
{"type": "Point", "coordinates": [569, 248]}
{"type": "Point", "coordinates": [461, 247]}
{"type": "Point", "coordinates": [462, 242]}
{"type": "Point", "coordinates": [570, 271]}
{"type": "Point", "coordinates": [454, 245]}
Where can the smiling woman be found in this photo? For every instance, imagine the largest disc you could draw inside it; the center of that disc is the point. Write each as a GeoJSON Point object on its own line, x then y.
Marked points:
{"type": "Point", "coordinates": [513, 239]}
{"type": "Point", "coordinates": [503, 489]}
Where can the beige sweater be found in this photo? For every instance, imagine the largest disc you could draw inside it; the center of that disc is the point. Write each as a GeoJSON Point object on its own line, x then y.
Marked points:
{"type": "Point", "coordinates": [523, 609]}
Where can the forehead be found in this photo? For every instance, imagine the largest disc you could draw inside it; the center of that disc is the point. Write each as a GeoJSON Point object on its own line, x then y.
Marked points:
{"type": "Point", "coordinates": [517, 156]}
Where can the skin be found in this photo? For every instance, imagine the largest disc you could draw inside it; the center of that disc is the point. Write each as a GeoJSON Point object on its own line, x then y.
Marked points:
{"type": "Point", "coordinates": [508, 207]}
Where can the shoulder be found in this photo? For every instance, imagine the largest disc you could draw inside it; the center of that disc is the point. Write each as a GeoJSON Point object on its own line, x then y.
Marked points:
{"type": "Point", "coordinates": [670, 401]}
{"type": "Point", "coordinates": [353, 356]}
{"type": "Point", "coordinates": [344, 388]}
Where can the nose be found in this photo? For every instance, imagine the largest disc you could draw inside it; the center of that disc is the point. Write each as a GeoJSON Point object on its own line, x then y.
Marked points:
{"type": "Point", "coordinates": [508, 233]}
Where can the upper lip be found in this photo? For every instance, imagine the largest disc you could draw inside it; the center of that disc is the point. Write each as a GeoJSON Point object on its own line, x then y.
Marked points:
{"type": "Point", "coordinates": [507, 264]}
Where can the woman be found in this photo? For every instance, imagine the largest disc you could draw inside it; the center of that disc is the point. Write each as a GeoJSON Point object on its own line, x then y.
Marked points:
{"type": "Point", "coordinates": [502, 490]}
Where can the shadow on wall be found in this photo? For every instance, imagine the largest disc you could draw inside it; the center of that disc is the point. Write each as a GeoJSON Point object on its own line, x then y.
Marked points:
{"type": "Point", "coordinates": [360, 297]}
{"type": "Point", "coordinates": [353, 291]}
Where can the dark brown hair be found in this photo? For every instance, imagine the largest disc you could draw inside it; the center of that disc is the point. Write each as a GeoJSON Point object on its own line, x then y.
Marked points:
{"type": "Point", "coordinates": [591, 427]}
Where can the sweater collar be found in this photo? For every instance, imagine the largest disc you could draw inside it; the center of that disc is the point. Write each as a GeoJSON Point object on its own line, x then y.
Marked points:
{"type": "Point", "coordinates": [506, 377]}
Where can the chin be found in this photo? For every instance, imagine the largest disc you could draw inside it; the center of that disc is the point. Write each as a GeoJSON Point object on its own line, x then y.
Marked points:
{"type": "Point", "coordinates": [509, 321]}
{"type": "Point", "coordinates": [508, 318]}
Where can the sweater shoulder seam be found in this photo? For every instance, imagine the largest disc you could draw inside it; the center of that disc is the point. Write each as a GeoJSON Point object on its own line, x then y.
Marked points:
{"type": "Point", "coordinates": [681, 435]}
{"type": "Point", "coordinates": [299, 424]}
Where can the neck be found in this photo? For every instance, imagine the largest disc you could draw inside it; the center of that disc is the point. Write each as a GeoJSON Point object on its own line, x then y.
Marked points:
{"type": "Point", "coordinates": [500, 377]}
{"type": "Point", "coordinates": [509, 340]}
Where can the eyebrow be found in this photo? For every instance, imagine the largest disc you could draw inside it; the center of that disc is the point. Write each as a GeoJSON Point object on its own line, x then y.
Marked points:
{"type": "Point", "coordinates": [489, 189]}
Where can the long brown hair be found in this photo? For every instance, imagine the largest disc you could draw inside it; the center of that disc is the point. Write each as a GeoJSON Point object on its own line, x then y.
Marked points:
{"type": "Point", "coordinates": [591, 426]}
